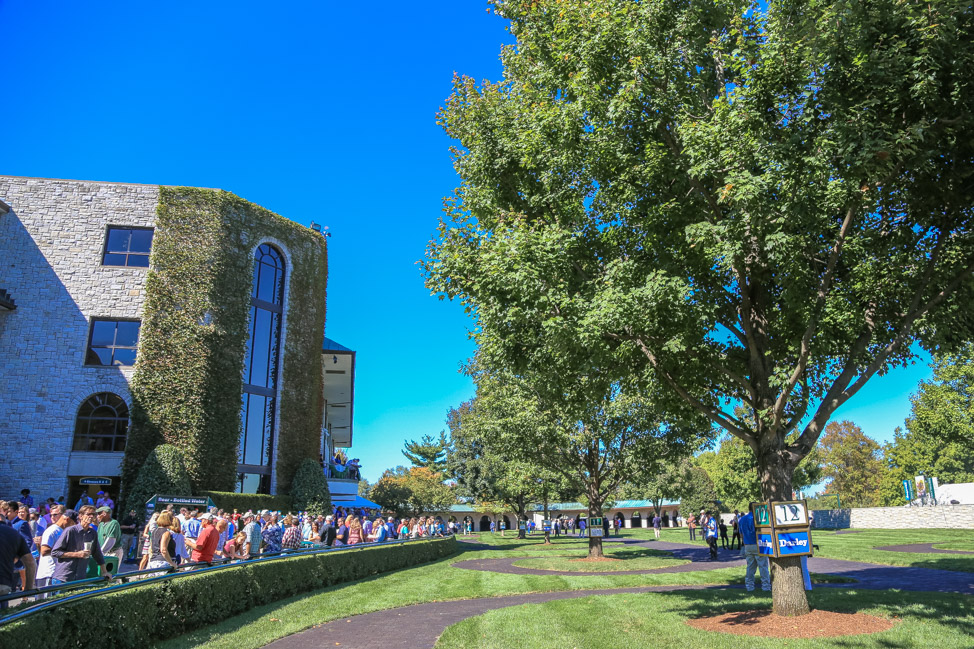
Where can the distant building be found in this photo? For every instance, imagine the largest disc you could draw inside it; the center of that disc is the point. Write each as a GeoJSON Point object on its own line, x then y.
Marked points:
{"type": "Point", "coordinates": [132, 315]}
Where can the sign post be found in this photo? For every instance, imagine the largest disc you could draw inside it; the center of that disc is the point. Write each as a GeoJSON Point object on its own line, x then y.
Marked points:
{"type": "Point", "coordinates": [782, 528]}
{"type": "Point", "coordinates": [595, 527]}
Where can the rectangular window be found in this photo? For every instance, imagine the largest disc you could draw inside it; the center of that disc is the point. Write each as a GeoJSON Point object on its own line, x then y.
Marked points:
{"type": "Point", "coordinates": [112, 342]}
{"type": "Point", "coordinates": [127, 247]}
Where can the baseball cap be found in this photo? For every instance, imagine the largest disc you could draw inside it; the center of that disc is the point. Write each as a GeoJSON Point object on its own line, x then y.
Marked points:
{"type": "Point", "coordinates": [104, 510]}
{"type": "Point", "coordinates": [70, 513]}
{"type": "Point", "coordinates": [207, 516]}
{"type": "Point", "coordinates": [101, 493]}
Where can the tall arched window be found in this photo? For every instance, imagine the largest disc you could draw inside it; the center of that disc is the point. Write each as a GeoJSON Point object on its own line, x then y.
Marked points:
{"type": "Point", "coordinates": [261, 362]}
{"type": "Point", "coordinates": [102, 424]}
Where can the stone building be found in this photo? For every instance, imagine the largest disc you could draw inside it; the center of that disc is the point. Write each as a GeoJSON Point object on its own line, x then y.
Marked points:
{"type": "Point", "coordinates": [132, 315]}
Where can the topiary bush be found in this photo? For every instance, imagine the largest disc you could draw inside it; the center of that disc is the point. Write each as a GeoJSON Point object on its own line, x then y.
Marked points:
{"type": "Point", "coordinates": [138, 617]}
{"type": "Point", "coordinates": [230, 501]}
{"type": "Point", "coordinates": [309, 489]}
{"type": "Point", "coordinates": [162, 472]}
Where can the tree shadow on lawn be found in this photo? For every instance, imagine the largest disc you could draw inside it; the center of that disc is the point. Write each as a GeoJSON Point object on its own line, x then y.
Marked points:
{"type": "Point", "coordinates": [953, 610]}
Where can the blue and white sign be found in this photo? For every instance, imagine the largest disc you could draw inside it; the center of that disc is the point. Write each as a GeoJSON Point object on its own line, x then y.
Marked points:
{"type": "Point", "coordinates": [792, 543]}
{"type": "Point", "coordinates": [908, 490]}
{"type": "Point", "coordinates": [765, 545]}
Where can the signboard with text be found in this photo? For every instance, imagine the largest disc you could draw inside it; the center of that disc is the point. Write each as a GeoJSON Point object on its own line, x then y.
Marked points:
{"type": "Point", "coordinates": [546, 526]}
{"type": "Point", "coordinates": [782, 528]}
{"type": "Point", "coordinates": [595, 527]}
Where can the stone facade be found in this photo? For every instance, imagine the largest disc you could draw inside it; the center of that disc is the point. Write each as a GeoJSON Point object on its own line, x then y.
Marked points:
{"type": "Point", "coordinates": [51, 245]}
{"type": "Point", "coordinates": [896, 518]}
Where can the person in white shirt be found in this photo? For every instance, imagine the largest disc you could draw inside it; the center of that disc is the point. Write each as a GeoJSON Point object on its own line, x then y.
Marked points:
{"type": "Point", "coordinates": [51, 534]}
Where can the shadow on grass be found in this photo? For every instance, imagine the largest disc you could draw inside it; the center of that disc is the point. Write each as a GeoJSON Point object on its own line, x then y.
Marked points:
{"type": "Point", "coordinates": [952, 610]}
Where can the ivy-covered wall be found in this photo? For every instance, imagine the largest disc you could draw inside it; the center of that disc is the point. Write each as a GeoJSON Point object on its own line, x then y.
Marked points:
{"type": "Point", "coordinates": [187, 385]}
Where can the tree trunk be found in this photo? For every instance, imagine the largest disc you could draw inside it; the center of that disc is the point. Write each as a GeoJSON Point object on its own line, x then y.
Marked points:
{"type": "Point", "coordinates": [787, 582]}
{"type": "Point", "coordinates": [594, 542]}
{"type": "Point", "coordinates": [521, 517]}
{"type": "Point", "coordinates": [547, 517]}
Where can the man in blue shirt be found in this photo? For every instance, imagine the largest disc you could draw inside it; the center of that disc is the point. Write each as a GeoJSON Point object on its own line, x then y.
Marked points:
{"type": "Point", "coordinates": [754, 559]}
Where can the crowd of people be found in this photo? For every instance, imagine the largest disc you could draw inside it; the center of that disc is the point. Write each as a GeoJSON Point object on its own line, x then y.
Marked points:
{"type": "Point", "coordinates": [53, 544]}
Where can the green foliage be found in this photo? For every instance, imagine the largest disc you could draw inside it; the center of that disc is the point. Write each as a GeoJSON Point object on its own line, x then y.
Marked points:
{"type": "Point", "coordinates": [138, 617]}
{"type": "Point", "coordinates": [488, 473]}
{"type": "Point", "coordinates": [161, 473]}
{"type": "Point", "coordinates": [364, 487]}
{"type": "Point", "coordinates": [943, 408]}
{"type": "Point", "coordinates": [733, 470]}
{"type": "Point", "coordinates": [697, 492]}
{"type": "Point", "coordinates": [718, 194]}
{"type": "Point", "coordinates": [309, 489]}
{"type": "Point", "coordinates": [229, 501]}
{"type": "Point", "coordinates": [428, 452]}
{"type": "Point", "coordinates": [412, 491]}
{"type": "Point", "coordinates": [187, 382]}
{"type": "Point", "coordinates": [910, 453]}
{"type": "Point", "coordinates": [852, 464]}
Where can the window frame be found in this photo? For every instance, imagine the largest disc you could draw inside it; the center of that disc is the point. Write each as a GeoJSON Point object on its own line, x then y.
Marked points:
{"type": "Point", "coordinates": [115, 436]}
{"type": "Point", "coordinates": [104, 246]}
{"type": "Point", "coordinates": [91, 330]}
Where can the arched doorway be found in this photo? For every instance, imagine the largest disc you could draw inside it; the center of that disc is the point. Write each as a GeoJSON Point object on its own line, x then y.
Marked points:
{"type": "Point", "coordinates": [507, 522]}
{"type": "Point", "coordinates": [622, 520]}
{"type": "Point", "coordinates": [637, 520]}
{"type": "Point", "coordinates": [484, 523]}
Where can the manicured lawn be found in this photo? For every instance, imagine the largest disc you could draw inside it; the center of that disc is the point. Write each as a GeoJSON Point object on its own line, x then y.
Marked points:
{"type": "Point", "coordinates": [628, 559]}
{"type": "Point", "coordinates": [966, 546]}
{"type": "Point", "coordinates": [658, 620]}
{"type": "Point", "coordinates": [860, 546]}
{"type": "Point", "coordinates": [426, 583]}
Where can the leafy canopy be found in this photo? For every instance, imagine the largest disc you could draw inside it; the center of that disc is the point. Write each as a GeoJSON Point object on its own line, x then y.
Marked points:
{"type": "Point", "coordinates": [758, 203]}
{"type": "Point", "coordinates": [428, 452]}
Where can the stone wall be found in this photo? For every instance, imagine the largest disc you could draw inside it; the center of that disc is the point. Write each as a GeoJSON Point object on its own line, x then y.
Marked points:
{"type": "Point", "coordinates": [949, 516]}
{"type": "Point", "coordinates": [51, 246]}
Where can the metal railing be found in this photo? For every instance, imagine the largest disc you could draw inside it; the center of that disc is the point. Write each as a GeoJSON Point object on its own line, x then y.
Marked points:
{"type": "Point", "coordinates": [128, 580]}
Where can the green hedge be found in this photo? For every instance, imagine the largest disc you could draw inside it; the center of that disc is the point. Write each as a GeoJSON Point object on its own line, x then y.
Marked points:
{"type": "Point", "coordinates": [229, 501]}
{"type": "Point", "coordinates": [137, 617]}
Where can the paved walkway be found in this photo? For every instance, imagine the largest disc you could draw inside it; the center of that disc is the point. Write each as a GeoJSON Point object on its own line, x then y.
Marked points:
{"type": "Point", "coordinates": [921, 548]}
{"type": "Point", "coordinates": [420, 625]}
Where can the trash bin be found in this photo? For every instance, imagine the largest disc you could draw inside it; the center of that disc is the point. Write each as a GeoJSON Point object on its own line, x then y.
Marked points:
{"type": "Point", "coordinates": [111, 564]}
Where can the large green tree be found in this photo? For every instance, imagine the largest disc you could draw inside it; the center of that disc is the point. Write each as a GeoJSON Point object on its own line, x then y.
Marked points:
{"type": "Point", "coordinates": [764, 203]}
{"type": "Point", "coordinates": [733, 470]}
{"type": "Point", "coordinates": [490, 472]}
{"type": "Point", "coordinates": [852, 464]}
{"type": "Point", "coordinates": [593, 436]}
{"type": "Point", "coordinates": [943, 407]}
{"type": "Point", "coordinates": [412, 491]}
{"type": "Point", "coordinates": [910, 454]}
{"type": "Point", "coordinates": [428, 452]}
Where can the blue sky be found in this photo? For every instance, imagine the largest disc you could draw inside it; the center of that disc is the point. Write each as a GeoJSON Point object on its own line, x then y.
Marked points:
{"type": "Point", "coordinates": [318, 111]}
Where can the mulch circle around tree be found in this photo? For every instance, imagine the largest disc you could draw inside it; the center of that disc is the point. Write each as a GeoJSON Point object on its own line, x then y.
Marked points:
{"type": "Point", "coordinates": [817, 624]}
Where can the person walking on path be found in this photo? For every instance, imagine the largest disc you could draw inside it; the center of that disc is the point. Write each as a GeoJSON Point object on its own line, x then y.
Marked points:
{"type": "Point", "coordinates": [735, 525]}
{"type": "Point", "coordinates": [710, 531]}
{"type": "Point", "coordinates": [723, 534]}
{"type": "Point", "coordinates": [754, 559]}
{"type": "Point", "coordinates": [657, 524]}
{"type": "Point", "coordinates": [692, 526]}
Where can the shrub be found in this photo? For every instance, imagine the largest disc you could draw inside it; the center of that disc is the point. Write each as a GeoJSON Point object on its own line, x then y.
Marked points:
{"type": "Point", "coordinates": [137, 617]}
{"type": "Point", "coordinates": [229, 501]}
{"type": "Point", "coordinates": [309, 489]}
{"type": "Point", "coordinates": [161, 473]}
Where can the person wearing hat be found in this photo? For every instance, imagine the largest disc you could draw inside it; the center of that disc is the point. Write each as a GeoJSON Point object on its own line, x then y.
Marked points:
{"type": "Point", "coordinates": [45, 568]}
{"type": "Point", "coordinates": [204, 545]}
{"type": "Point", "coordinates": [109, 534]}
